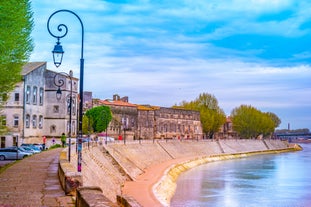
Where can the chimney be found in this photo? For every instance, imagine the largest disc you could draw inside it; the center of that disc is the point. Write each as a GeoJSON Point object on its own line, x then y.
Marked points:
{"type": "Point", "coordinates": [116, 97]}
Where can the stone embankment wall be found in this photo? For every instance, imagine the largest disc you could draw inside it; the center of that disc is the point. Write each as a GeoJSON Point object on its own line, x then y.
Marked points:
{"type": "Point", "coordinates": [111, 165]}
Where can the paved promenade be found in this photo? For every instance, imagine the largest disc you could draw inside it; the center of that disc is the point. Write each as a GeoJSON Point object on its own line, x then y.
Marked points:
{"type": "Point", "coordinates": [34, 182]}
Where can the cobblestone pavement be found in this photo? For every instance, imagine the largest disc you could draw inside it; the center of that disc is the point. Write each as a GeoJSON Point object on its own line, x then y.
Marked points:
{"type": "Point", "coordinates": [34, 182]}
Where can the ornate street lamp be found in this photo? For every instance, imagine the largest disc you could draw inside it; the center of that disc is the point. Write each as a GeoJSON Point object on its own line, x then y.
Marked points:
{"type": "Point", "coordinates": [58, 53]}
{"type": "Point", "coordinates": [59, 82]}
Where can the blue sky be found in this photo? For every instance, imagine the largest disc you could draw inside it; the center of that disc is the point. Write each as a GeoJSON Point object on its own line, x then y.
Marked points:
{"type": "Point", "coordinates": [160, 52]}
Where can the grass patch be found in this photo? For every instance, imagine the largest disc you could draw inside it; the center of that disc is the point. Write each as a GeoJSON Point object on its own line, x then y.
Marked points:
{"type": "Point", "coordinates": [55, 146]}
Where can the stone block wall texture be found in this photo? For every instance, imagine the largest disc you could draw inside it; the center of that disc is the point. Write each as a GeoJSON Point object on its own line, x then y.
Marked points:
{"type": "Point", "coordinates": [109, 166]}
{"type": "Point", "coordinates": [92, 196]}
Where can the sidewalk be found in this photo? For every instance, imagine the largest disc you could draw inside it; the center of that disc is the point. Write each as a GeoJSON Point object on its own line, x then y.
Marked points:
{"type": "Point", "coordinates": [34, 182]}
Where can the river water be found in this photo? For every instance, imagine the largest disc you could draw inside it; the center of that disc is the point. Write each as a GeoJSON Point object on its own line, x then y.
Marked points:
{"type": "Point", "coordinates": [277, 180]}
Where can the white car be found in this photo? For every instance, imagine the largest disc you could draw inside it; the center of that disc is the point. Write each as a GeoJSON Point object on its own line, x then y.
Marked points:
{"type": "Point", "coordinates": [28, 149]}
{"type": "Point", "coordinates": [109, 139]}
{"type": "Point", "coordinates": [11, 153]}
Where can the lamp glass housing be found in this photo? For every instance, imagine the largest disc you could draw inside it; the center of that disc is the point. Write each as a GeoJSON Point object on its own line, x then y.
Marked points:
{"type": "Point", "coordinates": [58, 94]}
{"type": "Point", "coordinates": [58, 53]}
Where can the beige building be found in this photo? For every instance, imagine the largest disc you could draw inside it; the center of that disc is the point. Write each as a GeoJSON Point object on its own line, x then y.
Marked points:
{"type": "Point", "coordinates": [134, 121]}
{"type": "Point", "coordinates": [32, 110]}
{"type": "Point", "coordinates": [226, 130]}
{"type": "Point", "coordinates": [57, 110]}
{"type": "Point", "coordinates": [124, 117]}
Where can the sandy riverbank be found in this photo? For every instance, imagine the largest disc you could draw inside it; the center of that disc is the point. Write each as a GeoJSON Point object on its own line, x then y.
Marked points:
{"type": "Point", "coordinates": [157, 185]}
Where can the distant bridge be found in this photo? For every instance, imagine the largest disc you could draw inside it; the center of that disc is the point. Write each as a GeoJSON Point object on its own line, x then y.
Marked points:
{"type": "Point", "coordinates": [293, 135]}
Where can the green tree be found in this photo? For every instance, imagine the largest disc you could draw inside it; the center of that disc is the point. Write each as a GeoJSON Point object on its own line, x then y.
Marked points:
{"type": "Point", "coordinates": [212, 116]}
{"type": "Point", "coordinates": [86, 125]}
{"type": "Point", "coordinates": [98, 118]}
{"type": "Point", "coordinates": [250, 122]}
{"type": "Point", "coordinates": [275, 119]}
{"type": "Point", "coordinates": [16, 45]}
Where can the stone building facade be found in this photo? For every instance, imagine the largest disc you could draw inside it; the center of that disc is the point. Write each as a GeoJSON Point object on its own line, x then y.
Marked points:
{"type": "Point", "coordinates": [32, 110]}
{"type": "Point", "coordinates": [177, 123]}
{"type": "Point", "coordinates": [124, 117]}
{"type": "Point", "coordinates": [57, 110]}
{"type": "Point", "coordinates": [226, 131]}
{"type": "Point", "coordinates": [133, 121]}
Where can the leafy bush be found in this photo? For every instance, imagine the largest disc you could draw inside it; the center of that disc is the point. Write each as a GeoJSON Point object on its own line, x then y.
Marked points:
{"type": "Point", "coordinates": [55, 146]}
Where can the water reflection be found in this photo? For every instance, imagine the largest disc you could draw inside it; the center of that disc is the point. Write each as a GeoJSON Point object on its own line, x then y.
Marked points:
{"type": "Point", "coordinates": [281, 180]}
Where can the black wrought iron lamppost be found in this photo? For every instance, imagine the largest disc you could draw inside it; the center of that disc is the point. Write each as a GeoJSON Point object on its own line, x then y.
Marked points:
{"type": "Point", "coordinates": [59, 82]}
{"type": "Point", "coordinates": [58, 57]}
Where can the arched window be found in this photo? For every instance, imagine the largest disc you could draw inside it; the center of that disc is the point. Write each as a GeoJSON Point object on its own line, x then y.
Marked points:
{"type": "Point", "coordinates": [34, 96]}
{"type": "Point", "coordinates": [28, 94]}
{"type": "Point", "coordinates": [27, 121]}
{"type": "Point", "coordinates": [41, 91]}
{"type": "Point", "coordinates": [34, 121]}
{"type": "Point", "coordinates": [40, 125]}
{"type": "Point", "coordinates": [73, 109]}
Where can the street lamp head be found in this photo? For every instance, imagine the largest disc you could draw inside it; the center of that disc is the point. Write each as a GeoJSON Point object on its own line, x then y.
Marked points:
{"type": "Point", "coordinates": [58, 53]}
{"type": "Point", "coordinates": [58, 94]}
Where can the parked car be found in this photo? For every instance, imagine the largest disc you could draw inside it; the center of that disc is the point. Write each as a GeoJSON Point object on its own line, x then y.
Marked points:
{"type": "Point", "coordinates": [25, 149]}
{"type": "Point", "coordinates": [40, 146]}
{"type": "Point", "coordinates": [29, 149]}
{"type": "Point", "coordinates": [109, 139]}
{"type": "Point", "coordinates": [12, 153]}
{"type": "Point", "coordinates": [32, 146]}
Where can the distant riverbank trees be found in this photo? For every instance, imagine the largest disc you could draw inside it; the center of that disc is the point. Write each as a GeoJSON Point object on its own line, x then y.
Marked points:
{"type": "Point", "coordinates": [250, 122]}
{"type": "Point", "coordinates": [212, 116]}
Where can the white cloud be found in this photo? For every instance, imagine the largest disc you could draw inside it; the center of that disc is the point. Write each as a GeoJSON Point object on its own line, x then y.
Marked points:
{"type": "Point", "coordinates": [163, 54]}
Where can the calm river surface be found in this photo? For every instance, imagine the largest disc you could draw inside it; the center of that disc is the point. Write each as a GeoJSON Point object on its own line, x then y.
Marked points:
{"type": "Point", "coordinates": [282, 180]}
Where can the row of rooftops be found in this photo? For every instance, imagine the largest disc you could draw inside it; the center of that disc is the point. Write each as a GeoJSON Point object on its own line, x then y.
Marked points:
{"type": "Point", "coordinates": [116, 101]}
{"type": "Point", "coordinates": [124, 102]}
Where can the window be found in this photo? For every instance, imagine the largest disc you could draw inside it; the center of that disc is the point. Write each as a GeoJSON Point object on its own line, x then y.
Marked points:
{"type": "Point", "coordinates": [41, 96]}
{"type": "Point", "coordinates": [34, 121]}
{"type": "Point", "coordinates": [15, 121]}
{"type": "Point", "coordinates": [28, 94]}
{"type": "Point", "coordinates": [73, 109]}
{"type": "Point", "coordinates": [34, 95]}
{"type": "Point", "coordinates": [173, 127]}
{"type": "Point", "coordinates": [55, 109]}
{"type": "Point", "coordinates": [75, 86]}
{"type": "Point", "coordinates": [16, 97]}
{"type": "Point", "coordinates": [2, 142]}
{"type": "Point", "coordinates": [133, 122]}
{"type": "Point", "coordinates": [53, 129]}
{"type": "Point", "coordinates": [40, 125]}
{"type": "Point", "coordinates": [27, 121]}
{"type": "Point", "coordinates": [69, 106]}
{"type": "Point", "coordinates": [14, 141]}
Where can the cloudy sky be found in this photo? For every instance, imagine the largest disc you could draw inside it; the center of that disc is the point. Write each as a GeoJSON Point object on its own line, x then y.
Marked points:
{"type": "Point", "coordinates": [160, 52]}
